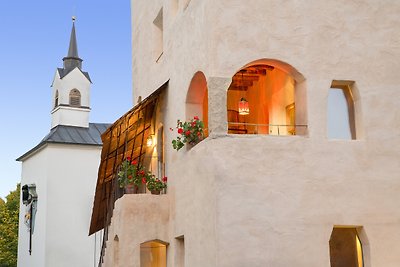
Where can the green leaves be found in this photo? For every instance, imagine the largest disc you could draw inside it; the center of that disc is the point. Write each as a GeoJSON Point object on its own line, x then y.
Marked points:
{"type": "Point", "coordinates": [9, 216]}
{"type": "Point", "coordinates": [190, 132]}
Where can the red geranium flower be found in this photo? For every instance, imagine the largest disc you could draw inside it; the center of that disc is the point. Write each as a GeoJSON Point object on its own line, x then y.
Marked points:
{"type": "Point", "coordinates": [128, 158]}
{"type": "Point", "coordinates": [130, 176]}
{"type": "Point", "coordinates": [193, 124]}
{"type": "Point", "coordinates": [180, 130]}
{"type": "Point", "coordinates": [143, 180]}
{"type": "Point", "coordinates": [141, 172]}
{"type": "Point", "coordinates": [164, 179]}
{"type": "Point", "coordinates": [196, 118]}
{"type": "Point", "coordinates": [133, 162]}
{"type": "Point", "coordinates": [187, 133]}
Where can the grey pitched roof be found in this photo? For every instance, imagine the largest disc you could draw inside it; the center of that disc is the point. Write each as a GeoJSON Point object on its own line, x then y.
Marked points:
{"type": "Point", "coordinates": [63, 134]}
{"type": "Point", "coordinates": [64, 72]}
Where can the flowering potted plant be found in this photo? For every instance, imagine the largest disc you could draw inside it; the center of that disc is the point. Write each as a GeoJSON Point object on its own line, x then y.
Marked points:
{"type": "Point", "coordinates": [190, 132]}
{"type": "Point", "coordinates": [155, 185]}
{"type": "Point", "coordinates": [131, 175]}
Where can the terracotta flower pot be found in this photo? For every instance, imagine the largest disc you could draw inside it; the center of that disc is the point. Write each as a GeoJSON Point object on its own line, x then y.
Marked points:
{"type": "Point", "coordinates": [155, 192]}
{"type": "Point", "coordinates": [131, 189]}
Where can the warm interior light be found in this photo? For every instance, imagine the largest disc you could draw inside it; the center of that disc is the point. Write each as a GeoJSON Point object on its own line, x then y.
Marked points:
{"type": "Point", "coordinates": [149, 141]}
{"type": "Point", "coordinates": [244, 107]}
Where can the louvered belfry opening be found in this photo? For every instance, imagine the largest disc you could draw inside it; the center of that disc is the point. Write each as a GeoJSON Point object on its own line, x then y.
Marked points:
{"type": "Point", "coordinates": [75, 98]}
{"type": "Point", "coordinates": [125, 138]}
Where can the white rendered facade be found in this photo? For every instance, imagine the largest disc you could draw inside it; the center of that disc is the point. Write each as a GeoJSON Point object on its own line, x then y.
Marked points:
{"type": "Point", "coordinates": [265, 200]}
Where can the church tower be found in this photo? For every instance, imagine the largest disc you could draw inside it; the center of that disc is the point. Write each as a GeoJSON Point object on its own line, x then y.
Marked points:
{"type": "Point", "coordinates": [71, 90]}
{"type": "Point", "coordinates": [58, 177]}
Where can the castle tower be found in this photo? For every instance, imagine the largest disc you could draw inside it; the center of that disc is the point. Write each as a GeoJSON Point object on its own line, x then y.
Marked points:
{"type": "Point", "coordinates": [71, 90]}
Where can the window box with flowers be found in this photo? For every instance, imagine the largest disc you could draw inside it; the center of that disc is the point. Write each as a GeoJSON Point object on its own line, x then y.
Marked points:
{"type": "Point", "coordinates": [131, 175]}
{"type": "Point", "coordinates": [191, 132]}
{"type": "Point", "coordinates": [156, 185]}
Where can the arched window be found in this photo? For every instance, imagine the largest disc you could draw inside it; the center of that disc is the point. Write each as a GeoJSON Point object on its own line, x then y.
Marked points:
{"type": "Point", "coordinates": [197, 99]}
{"type": "Point", "coordinates": [153, 254]}
{"type": "Point", "coordinates": [267, 97]}
{"type": "Point", "coordinates": [75, 98]}
{"type": "Point", "coordinates": [342, 111]}
{"type": "Point", "coordinates": [345, 248]}
{"type": "Point", "coordinates": [56, 99]}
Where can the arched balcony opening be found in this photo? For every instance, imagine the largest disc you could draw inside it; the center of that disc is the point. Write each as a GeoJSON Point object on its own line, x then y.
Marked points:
{"type": "Point", "coordinates": [267, 97]}
{"type": "Point", "coordinates": [197, 99]}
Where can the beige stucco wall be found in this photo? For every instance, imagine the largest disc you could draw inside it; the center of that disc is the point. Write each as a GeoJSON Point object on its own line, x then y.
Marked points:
{"type": "Point", "coordinates": [273, 200]}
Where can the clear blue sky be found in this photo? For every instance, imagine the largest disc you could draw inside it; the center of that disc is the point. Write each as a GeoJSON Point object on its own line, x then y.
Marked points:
{"type": "Point", "coordinates": [34, 39]}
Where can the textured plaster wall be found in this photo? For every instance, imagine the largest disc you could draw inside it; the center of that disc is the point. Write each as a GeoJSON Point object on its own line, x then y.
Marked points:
{"type": "Point", "coordinates": [136, 219]}
{"type": "Point", "coordinates": [273, 200]}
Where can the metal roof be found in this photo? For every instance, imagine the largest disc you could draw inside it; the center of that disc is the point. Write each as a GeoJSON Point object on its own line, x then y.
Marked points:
{"type": "Point", "coordinates": [64, 72]}
{"type": "Point", "coordinates": [63, 134]}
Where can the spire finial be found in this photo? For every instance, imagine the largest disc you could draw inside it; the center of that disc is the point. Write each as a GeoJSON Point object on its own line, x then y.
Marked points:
{"type": "Point", "coordinates": [72, 59]}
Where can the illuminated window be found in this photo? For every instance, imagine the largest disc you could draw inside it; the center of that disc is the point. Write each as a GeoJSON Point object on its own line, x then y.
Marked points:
{"type": "Point", "coordinates": [197, 99]}
{"type": "Point", "coordinates": [267, 97]}
{"type": "Point", "coordinates": [160, 152]}
{"type": "Point", "coordinates": [153, 254]}
{"type": "Point", "coordinates": [345, 248]}
{"type": "Point", "coordinates": [342, 111]}
{"type": "Point", "coordinates": [75, 98]}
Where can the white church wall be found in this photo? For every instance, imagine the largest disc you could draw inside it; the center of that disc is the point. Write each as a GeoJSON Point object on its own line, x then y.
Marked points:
{"type": "Point", "coordinates": [71, 184]}
{"type": "Point", "coordinates": [65, 178]}
{"type": "Point", "coordinates": [34, 171]}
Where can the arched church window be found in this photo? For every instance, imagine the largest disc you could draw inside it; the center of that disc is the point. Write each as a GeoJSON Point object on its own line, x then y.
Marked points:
{"type": "Point", "coordinates": [56, 99]}
{"type": "Point", "coordinates": [197, 99]}
{"type": "Point", "coordinates": [267, 97]}
{"type": "Point", "coordinates": [75, 98]}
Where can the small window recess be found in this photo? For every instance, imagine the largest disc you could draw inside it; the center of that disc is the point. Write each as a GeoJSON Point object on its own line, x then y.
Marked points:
{"type": "Point", "coordinates": [185, 4]}
{"type": "Point", "coordinates": [158, 36]}
{"type": "Point", "coordinates": [343, 111]}
{"type": "Point", "coordinates": [180, 251]}
{"type": "Point", "coordinates": [56, 100]}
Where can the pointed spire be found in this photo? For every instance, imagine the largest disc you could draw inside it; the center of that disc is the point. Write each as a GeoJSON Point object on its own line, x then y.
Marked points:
{"type": "Point", "coordinates": [72, 60]}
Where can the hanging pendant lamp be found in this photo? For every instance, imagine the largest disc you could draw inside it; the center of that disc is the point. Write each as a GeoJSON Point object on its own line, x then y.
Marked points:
{"type": "Point", "coordinates": [243, 107]}
{"type": "Point", "coordinates": [243, 103]}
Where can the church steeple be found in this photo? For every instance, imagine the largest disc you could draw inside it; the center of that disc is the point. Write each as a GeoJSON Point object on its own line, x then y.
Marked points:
{"type": "Point", "coordinates": [72, 59]}
{"type": "Point", "coordinates": [71, 89]}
